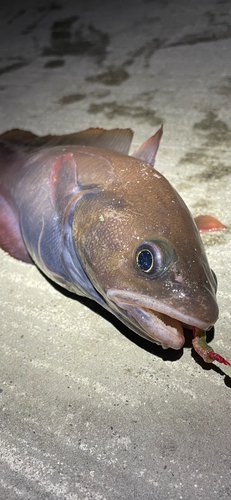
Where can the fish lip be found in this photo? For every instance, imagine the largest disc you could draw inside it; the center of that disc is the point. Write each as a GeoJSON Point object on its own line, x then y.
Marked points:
{"type": "Point", "coordinates": [135, 299]}
{"type": "Point", "coordinates": [135, 304]}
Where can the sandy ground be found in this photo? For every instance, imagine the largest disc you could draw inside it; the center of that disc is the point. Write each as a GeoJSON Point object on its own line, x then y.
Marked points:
{"type": "Point", "coordinates": [88, 409]}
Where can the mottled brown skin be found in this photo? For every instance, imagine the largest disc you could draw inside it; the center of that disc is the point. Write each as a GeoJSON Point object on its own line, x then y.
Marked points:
{"type": "Point", "coordinates": [138, 205]}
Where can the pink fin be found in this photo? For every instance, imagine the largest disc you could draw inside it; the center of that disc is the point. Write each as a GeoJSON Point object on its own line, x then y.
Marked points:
{"type": "Point", "coordinates": [147, 151]}
{"type": "Point", "coordinates": [10, 235]}
{"type": "Point", "coordinates": [63, 178]}
{"type": "Point", "coordinates": [207, 223]}
{"type": "Point", "coordinates": [116, 139]}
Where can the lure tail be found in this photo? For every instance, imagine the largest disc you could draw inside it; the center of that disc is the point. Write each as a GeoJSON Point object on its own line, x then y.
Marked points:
{"type": "Point", "coordinates": [200, 345]}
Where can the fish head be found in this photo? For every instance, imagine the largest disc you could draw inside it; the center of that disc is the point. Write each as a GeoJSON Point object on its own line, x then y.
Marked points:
{"type": "Point", "coordinates": [141, 250]}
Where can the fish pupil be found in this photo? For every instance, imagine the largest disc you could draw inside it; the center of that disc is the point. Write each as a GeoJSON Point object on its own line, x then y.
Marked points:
{"type": "Point", "coordinates": [145, 260]}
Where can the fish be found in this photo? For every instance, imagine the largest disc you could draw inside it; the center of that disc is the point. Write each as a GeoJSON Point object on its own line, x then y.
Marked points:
{"type": "Point", "coordinates": [108, 226]}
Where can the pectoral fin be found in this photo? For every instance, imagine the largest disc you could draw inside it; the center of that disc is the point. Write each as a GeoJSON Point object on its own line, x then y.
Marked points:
{"type": "Point", "coordinates": [63, 178]}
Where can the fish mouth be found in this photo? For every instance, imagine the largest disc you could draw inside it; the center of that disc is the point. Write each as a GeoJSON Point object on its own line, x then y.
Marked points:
{"type": "Point", "coordinates": [153, 320]}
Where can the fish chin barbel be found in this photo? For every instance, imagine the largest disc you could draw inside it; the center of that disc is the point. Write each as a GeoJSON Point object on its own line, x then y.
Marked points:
{"type": "Point", "coordinates": [107, 226]}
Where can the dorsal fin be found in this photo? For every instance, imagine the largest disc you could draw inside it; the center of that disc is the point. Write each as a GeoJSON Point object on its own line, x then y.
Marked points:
{"type": "Point", "coordinates": [147, 151]}
{"type": "Point", "coordinates": [116, 139]}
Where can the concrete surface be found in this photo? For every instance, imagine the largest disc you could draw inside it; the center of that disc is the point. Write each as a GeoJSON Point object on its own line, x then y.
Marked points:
{"type": "Point", "coordinates": [89, 410]}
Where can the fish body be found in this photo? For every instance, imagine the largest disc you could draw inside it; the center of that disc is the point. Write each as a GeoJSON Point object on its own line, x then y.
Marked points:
{"type": "Point", "coordinates": [107, 226]}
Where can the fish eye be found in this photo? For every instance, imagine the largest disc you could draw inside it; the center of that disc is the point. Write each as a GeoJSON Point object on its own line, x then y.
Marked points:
{"type": "Point", "coordinates": [145, 260]}
{"type": "Point", "coordinates": [152, 257]}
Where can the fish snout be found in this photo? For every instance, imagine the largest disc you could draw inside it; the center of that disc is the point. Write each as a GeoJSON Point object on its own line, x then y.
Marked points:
{"type": "Point", "coordinates": [205, 310]}
{"type": "Point", "coordinates": [197, 304]}
{"type": "Point", "coordinates": [162, 321]}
